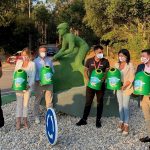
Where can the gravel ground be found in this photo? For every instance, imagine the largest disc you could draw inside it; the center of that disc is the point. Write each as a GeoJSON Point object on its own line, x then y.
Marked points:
{"type": "Point", "coordinates": [72, 137]}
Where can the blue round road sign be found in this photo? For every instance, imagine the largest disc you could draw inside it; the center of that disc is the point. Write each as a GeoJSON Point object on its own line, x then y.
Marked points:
{"type": "Point", "coordinates": [51, 126]}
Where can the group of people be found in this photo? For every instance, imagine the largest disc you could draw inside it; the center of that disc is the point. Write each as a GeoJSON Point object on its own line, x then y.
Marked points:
{"type": "Point", "coordinates": [32, 68]}
{"type": "Point", "coordinates": [128, 72]}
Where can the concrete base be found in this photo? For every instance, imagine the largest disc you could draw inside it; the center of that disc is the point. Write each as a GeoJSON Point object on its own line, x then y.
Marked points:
{"type": "Point", "coordinates": [72, 102]}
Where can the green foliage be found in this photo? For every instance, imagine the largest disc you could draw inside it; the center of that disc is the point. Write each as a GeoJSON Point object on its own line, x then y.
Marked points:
{"type": "Point", "coordinates": [73, 13]}
{"type": "Point", "coordinates": [41, 14]}
{"type": "Point", "coordinates": [15, 24]}
{"type": "Point", "coordinates": [7, 13]}
{"type": "Point", "coordinates": [124, 22]}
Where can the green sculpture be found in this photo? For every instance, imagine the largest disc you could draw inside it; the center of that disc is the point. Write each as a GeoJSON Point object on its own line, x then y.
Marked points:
{"type": "Point", "coordinates": [68, 79]}
{"type": "Point", "coordinates": [71, 45]}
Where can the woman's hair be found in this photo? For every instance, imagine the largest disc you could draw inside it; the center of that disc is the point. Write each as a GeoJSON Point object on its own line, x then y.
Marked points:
{"type": "Point", "coordinates": [126, 53]}
{"type": "Point", "coordinates": [27, 51]}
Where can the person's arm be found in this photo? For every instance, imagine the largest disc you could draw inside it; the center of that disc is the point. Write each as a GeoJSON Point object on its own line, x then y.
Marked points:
{"type": "Point", "coordinates": [86, 71]}
{"type": "Point", "coordinates": [32, 77]}
{"type": "Point", "coordinates": [86, 74]}
{"type": "Point", "coordinates": [52, 66]}
{"type": "Point", "coordinates": [0, 70]}
{"type": "Point", "coordinates": [131, 77]}
{"type": "Point", "coordinates": [18, 63]}
{"type": "Point", "coordinates": [106, 70]}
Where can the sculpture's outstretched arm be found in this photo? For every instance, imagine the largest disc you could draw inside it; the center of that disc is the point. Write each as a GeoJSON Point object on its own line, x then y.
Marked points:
{"type": "Point", "coordinates": [64, 46]}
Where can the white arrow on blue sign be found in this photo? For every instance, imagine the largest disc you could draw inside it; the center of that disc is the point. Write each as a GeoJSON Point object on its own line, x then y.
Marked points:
{"type": "Point", "coordinates": [51, 126]}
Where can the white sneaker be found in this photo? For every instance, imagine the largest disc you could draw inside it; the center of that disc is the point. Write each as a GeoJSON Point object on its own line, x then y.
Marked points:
{"type": "Point", "coordinates": [37, 120]}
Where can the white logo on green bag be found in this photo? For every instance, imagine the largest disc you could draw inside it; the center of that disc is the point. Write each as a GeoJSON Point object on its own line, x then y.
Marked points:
{"type": "Point", "coordinates": [138, 85]}
{"type": "Point", "coordinates": [113, 81]}
{"type": "Point", "coordinates": [48, 76]}
{"type": "Point", "coordinates": [94, 81]}
{"type": "Point", "coordinates": [19, 81]}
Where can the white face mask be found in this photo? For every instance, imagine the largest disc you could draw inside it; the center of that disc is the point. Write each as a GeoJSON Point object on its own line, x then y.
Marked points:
{"type": "Point", "coordinates": [25, 58]}
{"type": "Point", "coordinates": [122, 59]}
{"type": "Point", "coordinates": [42, 54]}
{"type": "Point", "coordinates": [100, 55]}
{"type": "Point", "coordinates": [144, 60]}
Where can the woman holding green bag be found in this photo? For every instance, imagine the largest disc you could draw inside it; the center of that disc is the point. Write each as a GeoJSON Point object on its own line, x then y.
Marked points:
{"type": "Point", "coordinates": [123, 95]}
{"type": "Point", "coordinates": [23, 97]}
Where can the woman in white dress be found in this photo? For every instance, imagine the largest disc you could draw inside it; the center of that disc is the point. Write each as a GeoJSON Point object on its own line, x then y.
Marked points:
{"type": "Point", "coordinates": [23, 96]}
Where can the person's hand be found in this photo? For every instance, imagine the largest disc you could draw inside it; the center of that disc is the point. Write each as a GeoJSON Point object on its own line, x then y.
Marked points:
{"type": "Point", "coordinates": [126, 85]}
{"type": "Point", "coordinates": [28, 87]}
{"type": "Point", "coordinates": [123, 87]}
{"type": "Point", "coordinates": [103, 79]}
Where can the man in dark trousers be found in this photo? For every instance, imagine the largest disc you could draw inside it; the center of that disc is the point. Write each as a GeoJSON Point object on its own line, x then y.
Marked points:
{"type": "Point", "coordinates": [97, 62]}
{"type": "Point", "coordinates": [1, 112]}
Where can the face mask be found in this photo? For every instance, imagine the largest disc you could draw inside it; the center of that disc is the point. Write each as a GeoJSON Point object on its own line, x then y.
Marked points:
{"type": "Point", "coordinates": [42, 54]}
{"type": "Point", "coordinates": [144, 60]}
{"type": "Point", "coordinates": [122, 59]}
{"type": "Point", "coordinates": [99, 56]}
{"type": "Point", "coordinates": [25, 58]}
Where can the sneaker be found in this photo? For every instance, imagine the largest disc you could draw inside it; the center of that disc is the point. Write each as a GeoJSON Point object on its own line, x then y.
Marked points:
{"type": "Point", "coordinates": [81, 122]}
{"type": "Point", "coordinates": [145, 139]}
{"type": "Point", "coordinates": [98, 123]}
{"type": "Point", "coordinates": [37, 120]}
{"type": "Point", "coordinates": [120, 127]}
{"type": "Point", "coordinates": [125, 129]}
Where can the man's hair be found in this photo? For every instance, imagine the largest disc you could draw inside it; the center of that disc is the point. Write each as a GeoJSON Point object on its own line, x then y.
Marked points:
{"type": "Point", "coordinates": [146, 51]}
{"type": "Point", "coordinates": [43, 46]}
{"type": "Point", "coordinates": [98, 47]}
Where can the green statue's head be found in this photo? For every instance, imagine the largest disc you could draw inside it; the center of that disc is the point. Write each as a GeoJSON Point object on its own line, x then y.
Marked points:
{"type": "Point", "coordinates": [63, 28]}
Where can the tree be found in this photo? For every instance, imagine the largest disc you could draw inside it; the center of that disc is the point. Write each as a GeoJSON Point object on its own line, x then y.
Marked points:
{"type": "Point", "coordinates": [73, 12]}
{"type": "Point", "coordinates": [7, 13]}
{"type": "Point", "coordinates": [124, 22]}
{"type": "Point", "coordinates": [41, 17]}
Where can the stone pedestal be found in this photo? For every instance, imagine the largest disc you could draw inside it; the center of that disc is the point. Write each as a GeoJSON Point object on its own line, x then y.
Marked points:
{"type": "Point", "coordinates": [72, 102]}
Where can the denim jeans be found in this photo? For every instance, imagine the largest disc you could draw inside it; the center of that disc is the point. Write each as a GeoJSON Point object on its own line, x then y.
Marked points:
{"type": "Point", "coordinates": [123, 101]}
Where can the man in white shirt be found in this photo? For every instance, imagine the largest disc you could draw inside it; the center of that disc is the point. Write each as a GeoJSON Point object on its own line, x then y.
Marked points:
{"type": "Point", "coordinates": [41, 61]}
